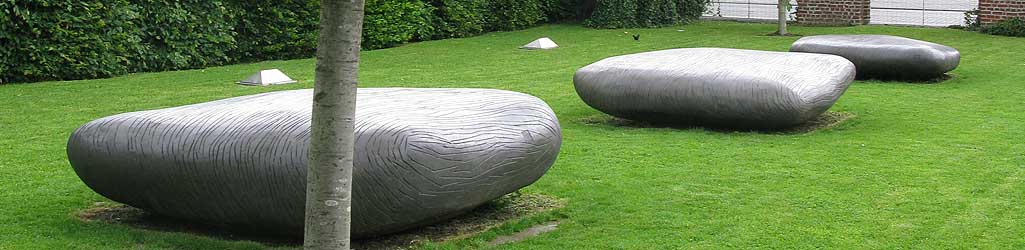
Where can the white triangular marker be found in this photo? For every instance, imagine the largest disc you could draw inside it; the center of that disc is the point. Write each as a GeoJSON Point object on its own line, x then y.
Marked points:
{"type": "Point", "coordinates": [542, 43]}
{"type": "Point", "coordinates": [267, 77]}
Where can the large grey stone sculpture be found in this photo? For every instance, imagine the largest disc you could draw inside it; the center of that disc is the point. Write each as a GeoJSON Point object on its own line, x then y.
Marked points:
{"type": "Point", "coordinates": [716, 87]}
{"type": "Point", "coordinates": [885, 57]}
{"type": "Point", "coordinates": [422, 155]}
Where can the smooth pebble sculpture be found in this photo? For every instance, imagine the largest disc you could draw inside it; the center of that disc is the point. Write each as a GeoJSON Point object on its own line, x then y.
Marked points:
{"type": "Point", "coordinates": [885, 57]}
{"type": "Point", "coordinates": [422, 156]}
{"type": "Point", "coordinates": [716, 87]}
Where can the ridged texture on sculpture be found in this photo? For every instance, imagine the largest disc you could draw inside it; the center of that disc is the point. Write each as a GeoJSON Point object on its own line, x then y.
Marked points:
{"type": "Point", "coordinates": [422, 155]}
{"type": "Point", "coordinates": [716, 87]}
{"type": "Point", "coordinates": [885, 57]}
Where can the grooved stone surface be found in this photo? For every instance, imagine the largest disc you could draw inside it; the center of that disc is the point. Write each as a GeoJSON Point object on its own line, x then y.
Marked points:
{"type": "Point", "coordinates": [716, 87]}
{"type": "Point", "coordinates": [885, 57]}
{"type": "Point", "coordinates": [422, 155]}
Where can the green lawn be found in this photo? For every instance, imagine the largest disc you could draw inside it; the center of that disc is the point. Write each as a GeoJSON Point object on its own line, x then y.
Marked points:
{"type": "Point", "coordinates": [921, 166]}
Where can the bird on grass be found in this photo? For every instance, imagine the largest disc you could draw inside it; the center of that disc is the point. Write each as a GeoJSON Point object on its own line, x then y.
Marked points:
{"type": "Point", "coordinates": [637, 37]}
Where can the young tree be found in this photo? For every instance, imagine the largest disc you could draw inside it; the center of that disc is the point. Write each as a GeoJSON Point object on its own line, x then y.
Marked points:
{"type": "Point", "coordinates": [329, 175]}
{"type": "Point", "coordinates": [784, 7]}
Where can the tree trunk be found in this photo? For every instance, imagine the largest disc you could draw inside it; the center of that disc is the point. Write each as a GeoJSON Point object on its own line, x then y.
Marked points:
{"type": "Point", "coordinates": [783, 4]}
{"type": "Point", "coordinates": [329, 175]}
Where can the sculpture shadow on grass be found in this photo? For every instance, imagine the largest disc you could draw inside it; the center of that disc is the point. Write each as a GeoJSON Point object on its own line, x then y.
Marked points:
{"type": "Point", "coordinates": [776, 34]}
{"type": "Point", "coordinates": [490, 215]}
{"type": "Point", "coordinates": [936, 80]}
{"type": "Point", "coordinates": [826, 121]}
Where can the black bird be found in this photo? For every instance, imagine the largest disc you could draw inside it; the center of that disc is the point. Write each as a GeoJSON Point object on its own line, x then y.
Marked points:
{"type": "Point", "coordinates": [637, 37]}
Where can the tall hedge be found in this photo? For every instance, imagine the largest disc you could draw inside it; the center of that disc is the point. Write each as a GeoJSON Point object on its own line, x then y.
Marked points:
{"type": "Point", "coordinates": [458, 18]}
{"type": "Point", "coordinates": [392, 22]}
{"type": "Point", "coordinates": [514, 14]}
{"type": "Point", "coordinates": [566, 10]}
{"type": "Point", "coordinates": [80, 39]}
{"type": "Point", "coordinates": [183, 34]}
{"type": "Point", "coordinates": [67, 39]}
{"type": "Point", "coordinates": [613, 14]}
{"type": "Point", "coordinates": [690, 10]}
{"type": "Point", "coordinates": [278, 29]}
{"type": "Point", "coordinates": [654, 13]}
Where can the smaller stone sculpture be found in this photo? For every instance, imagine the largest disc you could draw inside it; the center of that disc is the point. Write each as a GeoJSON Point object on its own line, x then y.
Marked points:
{"type": "Point", "coordinates": [885, 57]}
{"type": "Point", "coordinates": [716, 87]}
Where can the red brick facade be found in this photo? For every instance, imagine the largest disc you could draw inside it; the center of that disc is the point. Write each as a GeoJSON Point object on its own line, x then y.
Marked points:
{"type": "Point", "coordinates": [833, 12]}
{"type": "Point", "coordinates": [991, 11]}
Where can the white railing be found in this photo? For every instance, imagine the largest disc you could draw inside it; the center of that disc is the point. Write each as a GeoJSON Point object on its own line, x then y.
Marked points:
{"type": "Point", "coordinates": [900, 12]}
{"type": "Point", "coordinates": [921, 12]}
{"type": "Point", "coordinates": [746, 9]}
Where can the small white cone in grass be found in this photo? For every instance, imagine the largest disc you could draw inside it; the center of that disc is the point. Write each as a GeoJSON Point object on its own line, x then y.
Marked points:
{"type": "Point", "coordinates": [267, 77]}
{"type": "Point", "coordinates": [542, 43]}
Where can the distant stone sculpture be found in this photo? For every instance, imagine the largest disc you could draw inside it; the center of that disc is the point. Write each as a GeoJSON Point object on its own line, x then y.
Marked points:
{"type": "Point", "coordinates": [716, 87]}
{"type": "Point", "coordinates": [541, 43]}
{"type": "Point", "coordinates": [267, 77]}
{"type": "Point", "coordinates": [422, 155]}
{"type": "Point", "coordinates": [885, 57]}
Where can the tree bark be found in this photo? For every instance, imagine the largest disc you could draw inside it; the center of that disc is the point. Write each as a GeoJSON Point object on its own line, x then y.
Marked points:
{"type": "Point", "coordinates": [329, 175]}
{"type": "Point", "coordinates": [783, 17]}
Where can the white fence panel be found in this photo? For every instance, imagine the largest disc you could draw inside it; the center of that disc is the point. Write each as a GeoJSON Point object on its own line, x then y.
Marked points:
{"type": "Point", "coordinates": [900, 12]}
{"type": "Point", "coordinates": [746, 9]}
{"type": "Point", "coordinates": [921, 12]}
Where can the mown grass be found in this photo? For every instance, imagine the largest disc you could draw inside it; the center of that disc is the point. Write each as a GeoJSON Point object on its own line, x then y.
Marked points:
{"type": "Point", "coordinates": [921, 166]}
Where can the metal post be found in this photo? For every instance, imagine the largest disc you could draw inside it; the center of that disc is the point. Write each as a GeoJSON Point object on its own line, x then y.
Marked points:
{"type": "Point", "coordinates": [748, 9]}
{"type": "Point", "coordinates": [923, 12]}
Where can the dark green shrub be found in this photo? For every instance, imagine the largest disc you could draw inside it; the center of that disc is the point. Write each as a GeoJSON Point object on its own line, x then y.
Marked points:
{"type": "Point", "coordinates": [462, 18]}
{"type": "Point", "coordinates": [514, 14]}
{"type": "Point", "coordinates": [6, 38]}
{"type": "Point", "coordinates": [560, 10]}
{"type": "Point", "coordinates": [184, 34]}
{"type": "Point", "coordinates": [287, 29]}
{"type": "Point", "coordinates": [657, 13]}
{"type": "Point", "coordinates": [690, 10]}
{"type": "Point", "coordinates": [391, 22]}
{"type": "Point", "coordinates": [279, 29]}
{"type": "Point", "coordinates": [612, 14]}
{"type": "Point", "coordinates": [1008, 27]}
{"type": "Point", "coordinates": [971, 20]}
{"type": "Point", "coordinates": [81, 39]}
{"type": "Point", "coordinates": [67, 39]}
{"type": "Point", "coordinates": [458, 18]}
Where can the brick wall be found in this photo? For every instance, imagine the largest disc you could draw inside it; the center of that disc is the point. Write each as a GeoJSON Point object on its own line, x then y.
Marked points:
{"type": "Point", "coordinates": [832, 12]}
{"type": "Point", "coordinates": [991, 11]}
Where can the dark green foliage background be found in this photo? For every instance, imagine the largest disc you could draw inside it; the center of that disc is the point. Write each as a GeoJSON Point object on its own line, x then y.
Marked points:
{"type": "Point", "coordinates": [180, 34]}
{"type": "Point", "coordinates": [654, 13]}
{"type": "Point", "coordinates": [690, 10]}
{"type": "Point", "coordinates": [392, 22]}
{"type": "Point", "coordinates": [278, 29]}
{"type": "Point", "coordinates": [1009, 27]}
{"type": "Point", "coordinates": [514, 14]}
{"type": "Point", "coordinates": [68, 39]}
{"type": "Point", "coordinates": [612, 14]}
{"type": "Point", "coordinates": [458, 18]}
